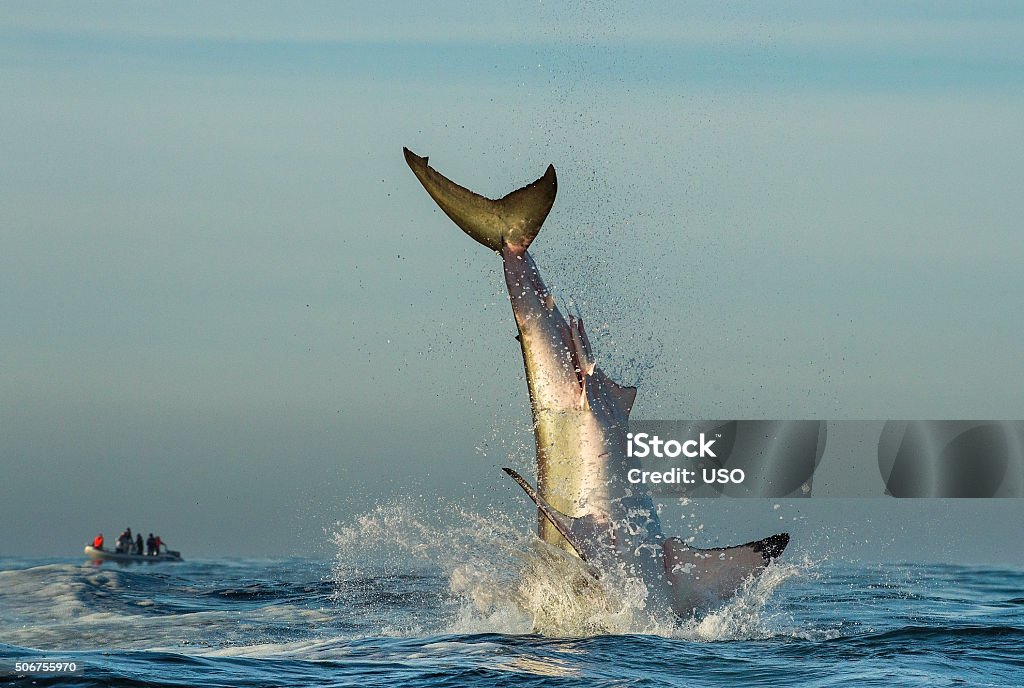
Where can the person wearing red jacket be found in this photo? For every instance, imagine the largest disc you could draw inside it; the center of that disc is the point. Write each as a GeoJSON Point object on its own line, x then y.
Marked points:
{"type": "Point", "coordinates": [97, 541]}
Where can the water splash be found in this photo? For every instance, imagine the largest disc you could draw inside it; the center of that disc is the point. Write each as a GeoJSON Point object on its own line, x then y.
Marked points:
{"type": "Point", "coordinates": [750, 615]}
{"type": "Point", "coordinates": [502, 579]}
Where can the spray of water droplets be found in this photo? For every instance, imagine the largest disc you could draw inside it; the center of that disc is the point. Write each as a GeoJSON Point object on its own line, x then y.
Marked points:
{"type": "Point", "coordinates": [501, 578]}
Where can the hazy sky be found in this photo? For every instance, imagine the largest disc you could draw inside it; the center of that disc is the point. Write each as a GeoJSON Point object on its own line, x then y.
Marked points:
{"type": "Point", "coordinates": [232, 315]}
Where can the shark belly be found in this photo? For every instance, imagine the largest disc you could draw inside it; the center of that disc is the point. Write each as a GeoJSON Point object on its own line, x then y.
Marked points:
{"type": "Point", "coordinates": [573, 440]}
{"type": "Point", "coordinates": [585, 503]}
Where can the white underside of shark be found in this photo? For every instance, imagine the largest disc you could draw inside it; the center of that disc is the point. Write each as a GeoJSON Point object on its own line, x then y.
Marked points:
{"type": "Point", "coordinates": [581, 416]}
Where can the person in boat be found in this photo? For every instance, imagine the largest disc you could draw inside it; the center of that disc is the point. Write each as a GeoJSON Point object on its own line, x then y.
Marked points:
{"type": "Point", "coordinates": [97, 542]}
{"type": "Point", "coordinates": [124, 541]}
{"type": "Point", "coordinates": [138, 544]}
{"type": "Point", "coordinates": [151, 546]}
{"type": "Point", "coordinates": [159, 544]}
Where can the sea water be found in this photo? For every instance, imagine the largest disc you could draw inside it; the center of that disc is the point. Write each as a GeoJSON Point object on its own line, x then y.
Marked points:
{"type": "Point", "coordinates": [493, 606]}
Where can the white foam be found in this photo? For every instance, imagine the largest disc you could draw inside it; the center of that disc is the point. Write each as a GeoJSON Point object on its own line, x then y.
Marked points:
{"type": "Point", "coordinates": [748, 615]}
{"type": "Point", "coordinates": [505, 580]}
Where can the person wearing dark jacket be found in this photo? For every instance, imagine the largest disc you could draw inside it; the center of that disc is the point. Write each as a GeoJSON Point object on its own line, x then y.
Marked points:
{"type": "Point", "coordinates": [124, 542]}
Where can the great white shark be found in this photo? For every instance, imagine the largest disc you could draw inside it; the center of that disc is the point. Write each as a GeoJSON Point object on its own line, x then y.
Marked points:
{"type": "Point", "coordinates": [585, 502]}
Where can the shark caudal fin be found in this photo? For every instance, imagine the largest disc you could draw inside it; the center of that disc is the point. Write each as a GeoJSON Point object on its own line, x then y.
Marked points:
{"type": "Point", "coordinates": [512, 221]}
{"type": "Point", "coordinates": [701, 579]}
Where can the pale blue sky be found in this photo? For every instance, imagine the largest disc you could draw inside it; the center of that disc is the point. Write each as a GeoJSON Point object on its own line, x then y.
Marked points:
{"type": "Point", "coordinates": [222, 287]}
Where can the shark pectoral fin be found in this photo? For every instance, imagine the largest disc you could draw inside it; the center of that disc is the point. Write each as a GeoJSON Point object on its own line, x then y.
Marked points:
{"type": "Point", "coordinates": [566, 525]}
{"type": "Point", "coordinates": [702, 578]}
{"type": "Point", "coordinates": [513, 221]}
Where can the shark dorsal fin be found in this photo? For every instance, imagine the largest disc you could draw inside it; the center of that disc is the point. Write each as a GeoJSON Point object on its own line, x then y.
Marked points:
{"type": "Point", "coordinates": [625, 395]}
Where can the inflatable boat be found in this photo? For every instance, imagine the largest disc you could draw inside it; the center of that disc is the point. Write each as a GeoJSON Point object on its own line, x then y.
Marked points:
{"type": "Point", "coordinates": [126, 558]}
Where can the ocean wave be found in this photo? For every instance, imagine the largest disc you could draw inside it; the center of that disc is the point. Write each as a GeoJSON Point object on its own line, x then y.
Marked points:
{"type": "Point", "coordinates": [494, 606]}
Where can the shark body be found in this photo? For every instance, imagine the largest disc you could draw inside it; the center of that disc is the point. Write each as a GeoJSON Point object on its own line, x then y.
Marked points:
{"type": "Point", "coordinates": [585, 503]}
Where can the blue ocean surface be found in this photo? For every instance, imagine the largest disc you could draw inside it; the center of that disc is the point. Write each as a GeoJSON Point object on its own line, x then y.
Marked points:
{"type": "Point", "coordinates": [520, 617]}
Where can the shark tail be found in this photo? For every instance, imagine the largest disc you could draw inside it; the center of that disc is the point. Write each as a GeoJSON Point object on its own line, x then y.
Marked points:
{"type": "Point", "coordinates": [512, 221]}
